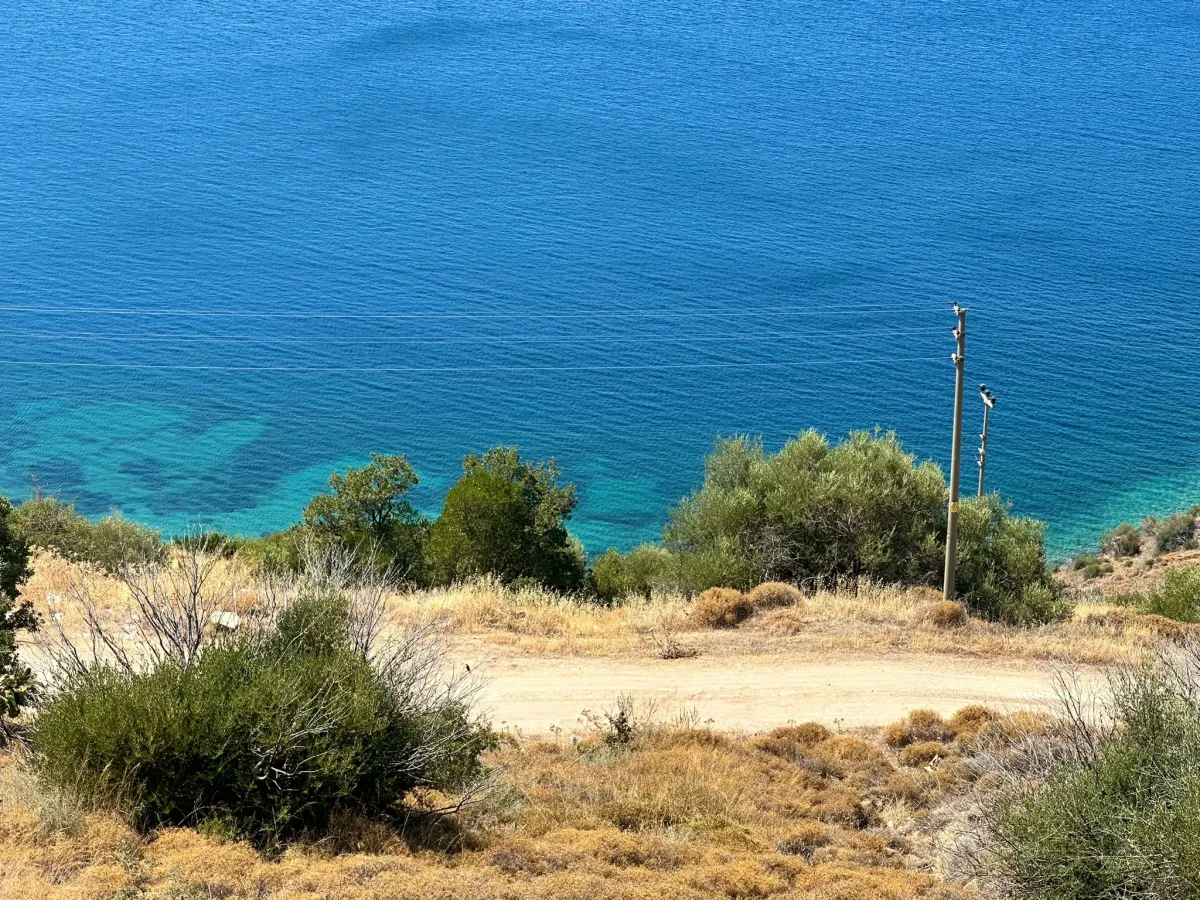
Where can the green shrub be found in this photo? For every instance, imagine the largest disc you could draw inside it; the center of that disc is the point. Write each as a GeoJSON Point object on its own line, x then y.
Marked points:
{"type": "Point", "coordinates": [862, 507]}
{"type": "Point", "coordinates": [277, 552]}
{"type": "Point", "coordinates": [1120, 815]}
{"type": "Point", "coordinates": [217, 543]}
{"type": "Point", "coordinates": [1175, 533]}
{"type": "Point", "coordinates": [615, 576]}
{"type": "Point", "coordinates": [1178, 598]}
{"type": "Point", "coordinates": [508, 518]}
{"type": "Point", "coordinates": [16, 680]}
{"type": "Point", "coordinates": [1082, 562]}
{"type": "Point", "coordinates": [1124, 540]}
{"type": "Point", "coordinates": [109, 543]}
{"type": "Point", "coordinates": [1002, 565]}
{"type": "Point", "coordinates": [269, 736]}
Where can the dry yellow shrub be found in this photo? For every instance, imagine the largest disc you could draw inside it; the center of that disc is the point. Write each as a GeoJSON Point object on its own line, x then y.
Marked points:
{"type": "Point", "coordinates": [804, 838]}
{"type": "Point", "coordinates": [924, 753]}
{"type": "Point", "coordinates": [771, 594]}
{"type": "Point", "coordinates": [792, 741]}
{"type": "Point", "coordinates": [683, 812]}
{"type": "Point", "coordinates": [943, 614]}
{"type": "Point", "coordinates": [722, 608]}
{"type": "Point", "coordinates": [970, 721]}
{"type": "Point", "coordinates": [922, 593]}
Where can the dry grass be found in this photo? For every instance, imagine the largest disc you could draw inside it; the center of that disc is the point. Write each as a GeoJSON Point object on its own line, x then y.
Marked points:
{"type": "Point", "coordinates": [853, 618]}
{"type": "Point", "coordinates": [681, 812]}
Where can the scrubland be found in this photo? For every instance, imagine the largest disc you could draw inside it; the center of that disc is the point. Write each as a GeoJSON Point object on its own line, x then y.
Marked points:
{"type": "Point", "coordinates": [634, 809]}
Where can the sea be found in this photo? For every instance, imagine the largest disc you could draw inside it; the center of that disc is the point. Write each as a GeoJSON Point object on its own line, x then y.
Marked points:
{"type": "Point", "coordinates": [245, 244]}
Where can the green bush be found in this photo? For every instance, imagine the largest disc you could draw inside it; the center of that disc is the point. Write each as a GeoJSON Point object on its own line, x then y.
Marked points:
{"type": "Point", "coordinates": [109, 543]}
{"type": "Point", "coordinates": [277, 552]}
{"type": "Point", "coordinates": [1179, 596]}
{"type": "Point", "coordinates": [1001, 570]}
{"type": "Point", "coordinates": [268, 736]}
{"type": "Point", "coordinates": [1120, 816]}
{"type": "Point", "coordinates": [861, 508]}
{"type": "Point", "coordinates": [1124, 540]}
{"type": "Point", "coordinates": [507, 517]}
{"type": "Point", "coordinates": [16, 680]}
{"type": "Point", "coordinates": [1175, 533]}
{"type": "Point", "coordinates": [616, 576]}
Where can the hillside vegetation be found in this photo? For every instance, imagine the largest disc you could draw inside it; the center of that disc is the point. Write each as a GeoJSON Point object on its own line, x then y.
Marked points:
{"type": "Point", "coordinates": [814, 513]}
{"type": "Point", "coordinates": [276, 717]}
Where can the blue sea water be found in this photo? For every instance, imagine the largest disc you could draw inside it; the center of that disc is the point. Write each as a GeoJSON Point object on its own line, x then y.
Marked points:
{"type": "Point", "coordinates": [245, 243]}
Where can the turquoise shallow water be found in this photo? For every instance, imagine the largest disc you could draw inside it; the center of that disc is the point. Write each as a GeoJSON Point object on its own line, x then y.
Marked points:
{"type": "Point", "coordinates": [246, 243]}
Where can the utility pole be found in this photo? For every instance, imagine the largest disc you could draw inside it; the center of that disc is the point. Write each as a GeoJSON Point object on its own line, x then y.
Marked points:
{"type": "Point", "coordinates": [989, 403]}
{"type": "Point", "coordinates": [960, 361]}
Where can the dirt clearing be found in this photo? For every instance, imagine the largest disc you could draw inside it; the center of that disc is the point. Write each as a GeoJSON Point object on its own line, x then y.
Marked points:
{"type": "Point", "coordinates": [751, 693]}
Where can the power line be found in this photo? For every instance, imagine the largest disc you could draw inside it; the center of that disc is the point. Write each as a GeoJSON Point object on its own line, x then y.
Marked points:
{"type": "Point", "coordinates": [452, 369]}
{"type": "Point", "coordinates": [98, 337]}
{"type": "Point", "coordinates": [623, 314]}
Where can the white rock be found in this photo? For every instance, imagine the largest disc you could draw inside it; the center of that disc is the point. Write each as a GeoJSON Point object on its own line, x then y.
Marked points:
{"type": "Point", "coordinates": [228, 621]}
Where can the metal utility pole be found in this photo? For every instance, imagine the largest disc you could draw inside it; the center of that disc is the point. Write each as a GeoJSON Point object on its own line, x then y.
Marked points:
{"type": "Point", "coordinates": [989, 403]}
{"type": "Point", "coordinates": [960, 360]}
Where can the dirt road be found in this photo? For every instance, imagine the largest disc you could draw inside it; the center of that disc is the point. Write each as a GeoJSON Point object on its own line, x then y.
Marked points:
{"type": "Point", "coordinates": [752, 693]}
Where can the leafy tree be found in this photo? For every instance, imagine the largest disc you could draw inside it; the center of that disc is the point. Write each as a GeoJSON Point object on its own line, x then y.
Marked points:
{"type": "Point", "coordinates": [1001, 570]}
{"type": "Point", "coordinates": [368, 510]}
{"type": "Point", "coordinates": [507, 517]}
{"type": "Point", "coordinates": [16, 681]}
{"type": "Point", "coordinates": [862, 507]}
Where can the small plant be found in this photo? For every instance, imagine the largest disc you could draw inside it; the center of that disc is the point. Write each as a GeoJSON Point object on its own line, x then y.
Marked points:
{"type": "Point", "coordinates": [664, 635]}
{"type": "Point", "coordinates": [1175, 533]}
{"type": "Point", "coordinates": [621, 725]}
{"type": "Point", "coordinates": [1124, 540]}
{"type": "Point", "coordinates": [1179, 596]}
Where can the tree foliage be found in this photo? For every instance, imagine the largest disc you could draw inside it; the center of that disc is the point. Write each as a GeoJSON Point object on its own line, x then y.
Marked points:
{"type": "Point", "coordinates": [507, 517]}
{"type": "Point", "coordinates": [367, 509]}
{"type": "Point", "coordinates": [860, 508]}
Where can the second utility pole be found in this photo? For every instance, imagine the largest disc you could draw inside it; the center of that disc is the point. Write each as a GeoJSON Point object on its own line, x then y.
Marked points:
{"type": "Point", "coordinates": [960, 360]}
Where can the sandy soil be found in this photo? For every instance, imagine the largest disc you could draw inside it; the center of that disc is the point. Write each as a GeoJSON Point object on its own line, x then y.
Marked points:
{"type": "Point", "coordinates": [751, 693]}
